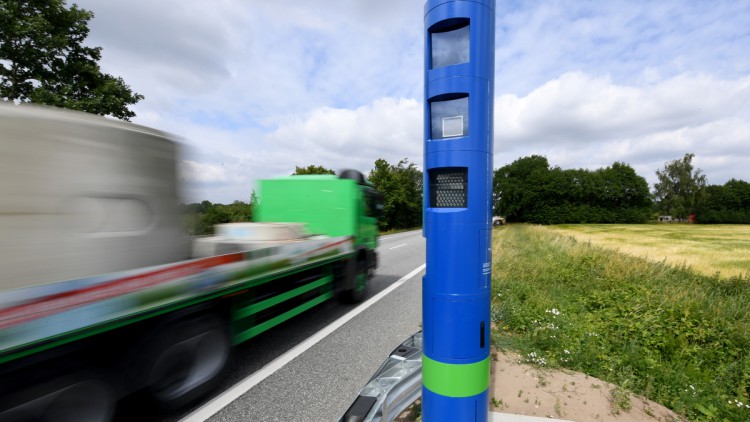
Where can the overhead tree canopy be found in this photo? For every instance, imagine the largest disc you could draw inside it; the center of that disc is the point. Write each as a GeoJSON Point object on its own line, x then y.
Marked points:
{"type": "Point", "coordinates": [311, 169]}
{"type": "Point", "coordinates": [401, 186]}
{"type": "Point", "coordinates": [680, 188]}
{"type": "Point", "coordinates": [43, 60]}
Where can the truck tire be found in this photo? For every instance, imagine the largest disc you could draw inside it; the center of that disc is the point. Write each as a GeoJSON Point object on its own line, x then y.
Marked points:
{"type": "Point", "coordinates": [360, 275]}
{"type": "Point", "coordinates": [187, 360]}
{"type": "Point", "coordinates": [79, 397]}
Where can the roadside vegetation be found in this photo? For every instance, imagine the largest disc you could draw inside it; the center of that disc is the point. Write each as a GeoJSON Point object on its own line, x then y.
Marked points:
{"type": "Point", "coordinates": [667, 332]}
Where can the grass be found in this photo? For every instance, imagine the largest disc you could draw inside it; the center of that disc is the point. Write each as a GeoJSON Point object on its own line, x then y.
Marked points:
{"type": "Point", "coordinates": [708, 249]}
{"type": "Point", "coordinates": [666, 332]}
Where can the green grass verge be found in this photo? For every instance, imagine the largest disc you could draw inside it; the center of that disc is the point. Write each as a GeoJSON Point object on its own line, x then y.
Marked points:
{"type": "Point", "coordinates": [666, 332]}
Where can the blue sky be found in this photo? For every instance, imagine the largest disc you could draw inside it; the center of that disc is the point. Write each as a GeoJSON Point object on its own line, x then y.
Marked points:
{"type": "Point", "coordinates": [255, 88]}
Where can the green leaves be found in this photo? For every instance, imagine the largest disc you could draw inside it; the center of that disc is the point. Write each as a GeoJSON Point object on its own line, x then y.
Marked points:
{"type": "Point", "coordinates": [680, 189]}
{"type": "Point", "coordinates": [528, 190]}
{"type": "Point", "coordinates": [200, 218]}
{"type": "Point", "coordinates": [312, 169]}
{"type": "Point", "coordinates": [401, 186]}
{"type": "Point", "coordinates": [727, 204]}
{"type": "Point", "coordinates": [42, 60]}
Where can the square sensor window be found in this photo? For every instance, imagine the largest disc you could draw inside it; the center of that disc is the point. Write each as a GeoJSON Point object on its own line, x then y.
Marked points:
{"type": "Point", "coordinates": [449, 118]}
{"type": "Point", "coordinates": [453, 126]}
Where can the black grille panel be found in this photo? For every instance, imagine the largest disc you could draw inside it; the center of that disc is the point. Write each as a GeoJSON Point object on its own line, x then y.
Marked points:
{"type": "Point", "coordinates": [449, 187]}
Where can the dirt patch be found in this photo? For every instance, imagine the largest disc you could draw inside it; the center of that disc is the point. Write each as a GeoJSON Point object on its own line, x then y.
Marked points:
{"type": "Point", "coordinates": [524, 389]}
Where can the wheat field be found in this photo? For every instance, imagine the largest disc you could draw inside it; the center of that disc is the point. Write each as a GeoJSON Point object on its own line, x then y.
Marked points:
{"type": "Point", "coordinates": [707, 249]}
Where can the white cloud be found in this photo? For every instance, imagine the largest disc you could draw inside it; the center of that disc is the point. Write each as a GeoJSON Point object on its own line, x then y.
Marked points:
{"type": "Point", "coordinates": [578, 108]}
{"type": "Point", "coordinates": [258, 87]}
{"type": "Point", "coordinates": [388, 126]}
{"type": "Point", "coordinates": [335, 138]}
{"type": "Point", "coordinates": [194, 172]}
{"type": "Point", "coordinates": [579, 120]}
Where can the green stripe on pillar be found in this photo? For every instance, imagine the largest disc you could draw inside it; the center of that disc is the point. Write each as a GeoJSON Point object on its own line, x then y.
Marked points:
{"type": "Point", "coordinates": [456, 380]}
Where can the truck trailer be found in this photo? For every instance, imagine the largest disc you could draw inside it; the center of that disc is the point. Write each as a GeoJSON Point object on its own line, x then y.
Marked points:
{"type": "Point", "coordinates": [101, 294]}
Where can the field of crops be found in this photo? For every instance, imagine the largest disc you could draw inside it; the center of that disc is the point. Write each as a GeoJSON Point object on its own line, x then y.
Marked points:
{"type": "Point", "coordinates": [705, 248]}
{"type": "Point", "coordinates": [678, 336]}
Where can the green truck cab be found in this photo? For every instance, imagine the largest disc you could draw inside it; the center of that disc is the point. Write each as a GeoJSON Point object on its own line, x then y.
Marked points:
{"type": "Point", "coordinates": [343, 205]}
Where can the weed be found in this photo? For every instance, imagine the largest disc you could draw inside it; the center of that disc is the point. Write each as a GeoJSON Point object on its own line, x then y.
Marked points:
{"type": "Point", "coordinates": [541, 381]}
{"type": "Point", "coordinates": [498, 403]}
{"type": "Point", "coordinates": [620, 400]}
{"type": "Point", "coordinates": [414, 412]}
{"type": "Point", "coordinates": [558, 407]}
{"type": "Point", "coordinates": [520, 393]}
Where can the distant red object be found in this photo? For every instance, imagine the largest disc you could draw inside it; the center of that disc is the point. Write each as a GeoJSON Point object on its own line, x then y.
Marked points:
{"type": "Point", "coordinates": [691, 218]}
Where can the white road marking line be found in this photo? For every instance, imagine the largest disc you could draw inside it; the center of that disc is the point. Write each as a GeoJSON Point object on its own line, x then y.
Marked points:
{"type": "Point", "coordinates": [221, 401]}
{"type": "Point", "coordinates": [398, 246]}
{"type": "Point", "coordinates": [400, 235]}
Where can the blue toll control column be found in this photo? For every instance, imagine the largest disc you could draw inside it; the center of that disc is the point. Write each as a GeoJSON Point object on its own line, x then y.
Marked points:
{"type": "Point", "coordinates": [459, 91]}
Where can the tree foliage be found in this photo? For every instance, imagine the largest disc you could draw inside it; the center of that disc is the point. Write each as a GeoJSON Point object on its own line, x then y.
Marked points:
{"type": "Point", "coordinates": [312, 169]}
{"type": "Point", "coordinates": [680, 188]}
{"type": "Point", "coordinates": [529, 190]}
{"type": "Point", "coordinates": [43, 60]}
{"type": "Point", "coordinates": [727, 204]}
{"type": "Point", "coordinates": [200, 217]}
{"type": "Point", "coordinates": [401, 186]}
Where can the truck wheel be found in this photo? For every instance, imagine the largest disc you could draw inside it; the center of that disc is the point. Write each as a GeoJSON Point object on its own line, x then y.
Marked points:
{"type": "Point", "coordinates": [188, 361]}
{"type": "Point", "coordinates": [357, 293]}
{"type": "Point", "coordinates": [75, 398]}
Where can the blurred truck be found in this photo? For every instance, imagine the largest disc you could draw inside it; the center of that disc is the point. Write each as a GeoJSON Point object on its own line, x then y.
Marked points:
{"type": "Point", "coordinates": [102, 296]}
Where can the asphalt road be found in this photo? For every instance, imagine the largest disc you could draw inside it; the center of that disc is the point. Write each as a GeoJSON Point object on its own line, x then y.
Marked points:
{"type": "Point", "coordinates": [320, 383]}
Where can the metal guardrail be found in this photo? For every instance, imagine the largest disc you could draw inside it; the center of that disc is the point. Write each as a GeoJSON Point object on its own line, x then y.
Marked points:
{"type": "Point", "coordinates": [393, 388]}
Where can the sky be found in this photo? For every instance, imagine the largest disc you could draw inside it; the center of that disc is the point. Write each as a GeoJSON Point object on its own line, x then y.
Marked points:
{"type": "Point", "coordinates": [254, 88]}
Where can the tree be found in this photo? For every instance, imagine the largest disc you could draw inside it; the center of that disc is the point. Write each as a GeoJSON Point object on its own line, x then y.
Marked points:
{"type": "Point", "coordinates": [515, 188]}
{"type": "Point", "coordinates": [680, 188]}
{"type": "Point", "coordinates": [200, 218]}
{"type": "Point", "coordinates": [529, 190]}
{"type": "Point", "coordinates": [43, 60]}
{"type": "Point", "coordinates": [401, 186]}
{"type": "Point", "coordinates": [311, 169]}
{"type": "Point", "coordinates": [727, 204]}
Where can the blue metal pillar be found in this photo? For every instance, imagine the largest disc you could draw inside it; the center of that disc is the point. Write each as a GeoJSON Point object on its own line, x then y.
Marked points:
{"type": "Point", "coordinates": [459, 93]}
